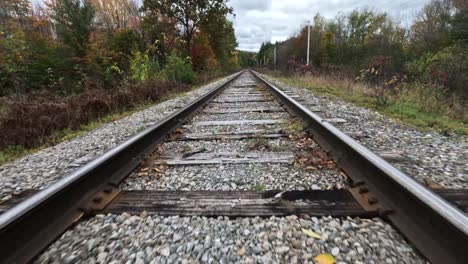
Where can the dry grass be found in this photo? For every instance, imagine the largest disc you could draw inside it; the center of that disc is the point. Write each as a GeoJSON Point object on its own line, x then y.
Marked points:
{"type": "Point", "coordinates": [326, 81]}
{"type": "Point", "coordinates": [423, 105]}
{"type": "Point", "coordinates": [427, 97]}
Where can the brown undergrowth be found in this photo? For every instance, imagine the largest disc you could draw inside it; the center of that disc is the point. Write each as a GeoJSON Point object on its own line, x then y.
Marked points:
{"type": "Point", "coordinates": [29, 121]}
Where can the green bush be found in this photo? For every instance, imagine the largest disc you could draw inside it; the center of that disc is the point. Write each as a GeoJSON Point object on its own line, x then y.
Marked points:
{"type": "Point", "coordinates": [142, 67]}
{"type": "Point", "coordinates": [447, 68]}
{"type": "Point", "coordinates": [179, 70]}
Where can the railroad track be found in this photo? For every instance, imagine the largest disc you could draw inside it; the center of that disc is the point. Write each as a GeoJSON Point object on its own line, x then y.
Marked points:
{"type": "Point", "coordinates": [240, 131]}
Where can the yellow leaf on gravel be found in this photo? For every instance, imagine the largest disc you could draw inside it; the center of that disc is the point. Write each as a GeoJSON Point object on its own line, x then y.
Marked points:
{"type": "Point", "coordinates": [311, 233]}
{"type": "Point", "coordinates": [241, 251]}
{"type": "Point", "coordinates": [325, 258]}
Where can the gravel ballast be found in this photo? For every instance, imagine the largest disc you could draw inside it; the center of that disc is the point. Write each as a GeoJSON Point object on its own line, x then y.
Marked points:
{"type": "Point", "coordinates": [433, 158]}
{"type": "Point", "coordinates": [154, 239]}
{"type": "Point", "coordinates": [232, 177]}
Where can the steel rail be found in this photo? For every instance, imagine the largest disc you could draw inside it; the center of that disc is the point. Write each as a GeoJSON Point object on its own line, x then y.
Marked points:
{"type": "Point", "coordinates": [29, 227]}
{"type": "Point", "coordinates": [438, 229]}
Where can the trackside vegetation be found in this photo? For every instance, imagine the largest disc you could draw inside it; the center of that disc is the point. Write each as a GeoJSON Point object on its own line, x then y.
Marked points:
{"type": "Point", "coordinates": [416, 73]}
{"type": "Point", "coordinates": [68, 64]}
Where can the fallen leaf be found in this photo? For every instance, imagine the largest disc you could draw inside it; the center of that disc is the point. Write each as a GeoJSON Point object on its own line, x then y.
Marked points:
{"type": "Point", "coordinates": [311, 233]}
{"type": "Point", "coordinates": [241, 251]}
{"type": "Point", "coordinates": [325, 258]}
{"type": "Point", "coordinates": [144, 169]}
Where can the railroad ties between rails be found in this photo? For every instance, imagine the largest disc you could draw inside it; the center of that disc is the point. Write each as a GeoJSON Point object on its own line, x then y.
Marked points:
{"type": "Point", "coordinates": [436, 227]}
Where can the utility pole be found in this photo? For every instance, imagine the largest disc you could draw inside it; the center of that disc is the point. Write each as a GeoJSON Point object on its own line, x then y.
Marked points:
{"type": "Point", "coordinates": [308, 41]}
{"type": "Point", "coordinates": [264, 60]}
{"type": "Point", "coordinates": [274, 57]}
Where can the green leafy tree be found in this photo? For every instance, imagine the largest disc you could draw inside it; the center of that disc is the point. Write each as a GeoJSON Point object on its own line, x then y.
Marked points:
{"type": "Point", "coordinates": [189, 15]}
{"type": "Point", "coordinates": [263, 52]}
{"type": "Point", "coordinates": [460, 22]}
{"type": "Point", "coordinates": [142, 67]}
{"type": "Point", "coordinates": [447, 68]}
{"type": "Point", "coordinates": [178, 69]}
{"type": "Point", "coordinates": [222, 38]}
{"type": "Point", "coordinates": [73, 22]}
{"type": "Point", "coordinates": [247, 59]}
{"type": "Point", "coordinates": [159, 32]}
{"type": "Point", "coordinates": [431, 30]}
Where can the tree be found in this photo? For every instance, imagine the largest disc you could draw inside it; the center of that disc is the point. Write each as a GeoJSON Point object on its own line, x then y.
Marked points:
{"type": "Point", "coordinates": [117, 14]}
{"type": "Point", "coordinates": [14, 9]}
{"type": "Point", "coordinates": [73, 22]}
{"type": "Point", "coordinates": [460, 22]}
{"type": "Point", "coordinates": [203, 57]}
{"type": "Point", "coordinates": [160, 33]}
{"type": "Point", "coordinates": [262, 53]}
{"type": "Point", "coordinates": [247, 59]}
{"type": "Point", "coordinates": [431, 31]}
{"type": "Point", "coordinates": [221, 36]}
{"type": "Point", "coordinates": [189, 14]}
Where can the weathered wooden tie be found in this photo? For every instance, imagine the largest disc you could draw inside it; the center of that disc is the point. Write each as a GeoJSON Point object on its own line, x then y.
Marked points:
{"type": "Point", "coordinates": [244, 99]}
{"type": "Point", "coordinates": [238, 203]}
{"type": "Point", "coordinates": [329, 202]}
{"type": "Point", "coordinates": [228, 136]}
{"type": "Point", "coordinates": [240, 122]}
{"type": "Point", "coordinates": [243, 105]}
{"type": "Point", "coordinates": [243, 110]}
{"type": "Point", "coordinates": [227, 158]}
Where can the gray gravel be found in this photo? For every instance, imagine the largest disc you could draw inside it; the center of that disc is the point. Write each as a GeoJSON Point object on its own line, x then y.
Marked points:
{"type": "Point", "coordinates": [154, 239]}
{"type": "Point", "coordinates": [237, 177]}
{"type": "Point", "coordinates": [48, 165]}
{"type": "Point", "coordinates": [435, 158]}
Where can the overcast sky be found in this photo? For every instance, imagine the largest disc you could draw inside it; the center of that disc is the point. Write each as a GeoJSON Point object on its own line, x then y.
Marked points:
{"type": "Point", "coordinates": [257, 21]}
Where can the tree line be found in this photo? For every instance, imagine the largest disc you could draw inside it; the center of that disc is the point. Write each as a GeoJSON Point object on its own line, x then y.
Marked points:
{"type": "Point", "coordinates": [67, 46]}
{"type": "Point", "coordinates": [375, 47]}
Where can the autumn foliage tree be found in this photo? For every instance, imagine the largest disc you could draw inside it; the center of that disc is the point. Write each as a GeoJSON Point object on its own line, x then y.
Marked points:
{"type": "Point", "coordinates": [189, 14]}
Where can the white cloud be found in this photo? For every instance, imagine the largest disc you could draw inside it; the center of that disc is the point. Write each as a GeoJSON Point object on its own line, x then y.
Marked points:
{"type": "Point", "coordinates": [257, 21]}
